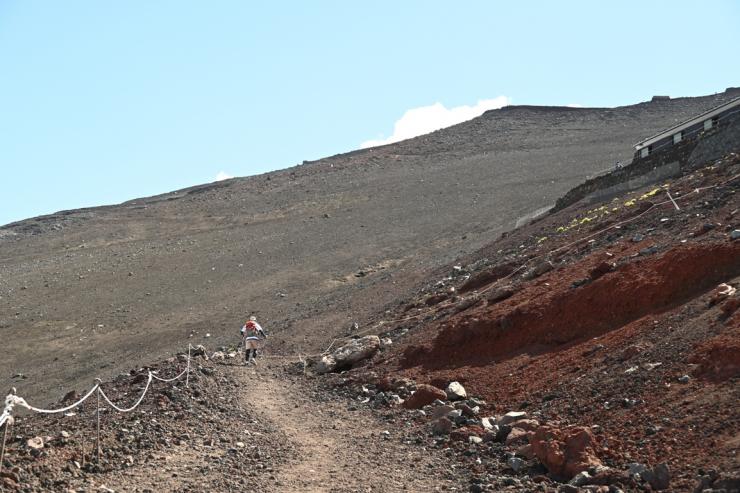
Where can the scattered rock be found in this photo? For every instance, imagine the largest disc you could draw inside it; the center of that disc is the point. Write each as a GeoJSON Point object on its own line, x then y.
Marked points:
{"type": "Point", "coordinates": [735, 234]}
{"type": "Point", "coordinates": [467, 302]}
{"type": "Point", "coordinates": [394, 400]}
{"type": "Point", "coordinates": [565, 452]}
{"type": "Point", "coordinates": [463, 434]}
{"type": "Point", "coordinates": [455, 391]}
{"type": "Point", "coordinates": [538, 270]}
{"type": "Point", "coordinates": [442, 412]}
{"type": "Point", "coordinates": [71, 396]}
{"type": "Point", "coordinates": [718, 482]}
{"type": "Point", "coordinates": [601, 269]}
{"type": "Point", "coordinates": [580, 282]}
{"type": "Point", "coordinates": [436, 299]}
{"type": "Point", "coordinates": [638, 238]}
{"type": "Point", "coordinates": [502, 433]}
{"type": "Point", "coordinates": [510, 417]}
{"type": "Point", "coordinates": [326, 364]}
{"type": "Point", "coordinates": [516, 464]}
{"type": "Point", "coordinates": [517, 436]}
{"type": "Point", "coordinates": [703, 229]}
{"type": "Point", "coordinates": [351, 353]}
{"type": "Point", "coordinates": [649, 250]}
{"type": "Point", "coordinates": [218, 356]}
{"type": "Point", "coordinates": [581, 479]}
{"type": "Point", "coordinates": [35, 443]}
{"type": "Point", "coordinates": [467, 411]}
{"type": "Point", "coordinates": [442, 426]}
{"type": "Point", "coordinates": [526, 424]}
{"type": "Point", "coordinates": [684, 379]}
{"type": "Point", "coordinates": [500, 293]}
{"type": "Point", "coordinates": [198, 350]}
{"type": "Point", "coordinates": [659, 476]}
{"type": "Point", "coordinates": [568, 488]}
{"type": "Point", "coordinates": [424, 395]}
{"type": "Point", "coordinates": [487, 277]}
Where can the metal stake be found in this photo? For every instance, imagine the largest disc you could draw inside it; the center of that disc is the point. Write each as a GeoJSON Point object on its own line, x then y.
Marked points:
{"type": "Point", "coordinates": [674, 202]}
{"type": "Point", "coordinates": [98, 431]}
{"type": "Point", "coordinates": [187, 374]}
{"type": "Point", "coordinates": [2, 448]}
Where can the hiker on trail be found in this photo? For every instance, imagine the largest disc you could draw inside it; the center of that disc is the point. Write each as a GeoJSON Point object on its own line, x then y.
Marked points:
{"type": "Point", "coordinates": [252, 333]}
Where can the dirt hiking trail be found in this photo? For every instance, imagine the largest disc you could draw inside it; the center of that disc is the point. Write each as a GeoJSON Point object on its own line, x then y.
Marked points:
{"type": "Point", "coordinates": [338, 447]}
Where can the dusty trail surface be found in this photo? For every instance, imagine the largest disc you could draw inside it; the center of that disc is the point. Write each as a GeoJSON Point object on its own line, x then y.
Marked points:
{"type": "Point", "coordinates": [235, 428]}
{"type": "Point", "coordinates": [338, 447]}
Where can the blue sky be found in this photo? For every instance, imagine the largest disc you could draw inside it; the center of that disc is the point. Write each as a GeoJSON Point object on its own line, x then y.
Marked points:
{"type": "Point", "coordinates": [102, 102]}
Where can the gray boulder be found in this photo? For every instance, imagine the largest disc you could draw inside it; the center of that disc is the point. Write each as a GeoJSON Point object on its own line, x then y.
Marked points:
{"type": "Point", "coordinates": [455, 391]}
{"type": "Point", "coordinates": [351, 353]}
{"type": "Point", "coordinates": [659, 477]}
{"type": "Point", "coordinates": [326, 364]}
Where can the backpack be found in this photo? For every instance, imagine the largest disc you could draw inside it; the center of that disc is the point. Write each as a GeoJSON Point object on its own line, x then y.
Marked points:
{"type": "Point", "coordinates": [249, 329]}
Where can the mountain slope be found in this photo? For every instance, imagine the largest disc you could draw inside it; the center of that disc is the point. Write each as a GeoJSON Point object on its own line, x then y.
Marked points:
{"type": "Point", "coordinates": [310, 249]}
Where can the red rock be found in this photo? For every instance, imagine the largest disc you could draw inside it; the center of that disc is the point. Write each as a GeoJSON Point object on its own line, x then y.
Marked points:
{"type": "Point", "coordinates": [462, 434]}
{"type": "Point", "coordinates": [565, 452]}
{"type": "Point", "coordinates": [424, 395]}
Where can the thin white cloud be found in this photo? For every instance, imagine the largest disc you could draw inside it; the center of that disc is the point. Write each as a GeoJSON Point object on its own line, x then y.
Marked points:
{"type": "Point", "coordinates": [426, 119]}
{"type": "Point", "coordinates": [222, 175]}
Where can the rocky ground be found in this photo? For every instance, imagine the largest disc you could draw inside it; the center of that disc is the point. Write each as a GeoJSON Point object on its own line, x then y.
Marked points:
{"type": "Point", "coordinates": [311, 250]}
{"type": "Point", "coordinates": [610, 330]}
{"type": "Point", "coordinates": [594, 350]}
{"type": "Point", "coordinates": [235, 428]}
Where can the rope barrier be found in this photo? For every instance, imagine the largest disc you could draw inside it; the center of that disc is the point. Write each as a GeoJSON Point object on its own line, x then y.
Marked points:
{"type": "Point", "coordinates": [12, 400]}
{"type": "Point", "coordinates": [129, 409]}
{"type": "Point", "coordinates": [21, 402]}
{"type": "Point", "coordinates": [167, 380]}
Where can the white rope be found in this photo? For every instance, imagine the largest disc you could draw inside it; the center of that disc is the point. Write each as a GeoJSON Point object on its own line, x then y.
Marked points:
{"type": "Point", "coordinates": [12, 400]}
{"type": "Point", "coordinates": [22, 402]}
{"type": "Point", "coordinates": [154, 375]}
{"type": "Point", "coordinates": [9, 404]}
{"type": "Point", "coordinates": [141, 398]}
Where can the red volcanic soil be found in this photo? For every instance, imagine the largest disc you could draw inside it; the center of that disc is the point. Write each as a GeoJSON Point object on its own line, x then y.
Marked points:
{"type": "Point", "coordinates": [627, 331]}
{"type": "Point", "coordinates": [719, 357]}
{"type": "Point", "coordinates": [550, 313]}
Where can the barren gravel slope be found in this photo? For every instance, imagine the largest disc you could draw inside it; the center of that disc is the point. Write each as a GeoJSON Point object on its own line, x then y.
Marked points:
{"type": "Point", "coordinates": [310, 249]}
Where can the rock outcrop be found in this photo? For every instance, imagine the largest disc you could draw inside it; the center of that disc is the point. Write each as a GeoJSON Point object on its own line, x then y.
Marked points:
{"type": "Point", "coordinates": [565, 451]}
{"type": "Point", "coordinates": [351, 353]}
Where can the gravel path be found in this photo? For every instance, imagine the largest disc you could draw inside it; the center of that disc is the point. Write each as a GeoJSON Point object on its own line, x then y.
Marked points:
{"type": "Point", "coordinates": [338, 447]}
